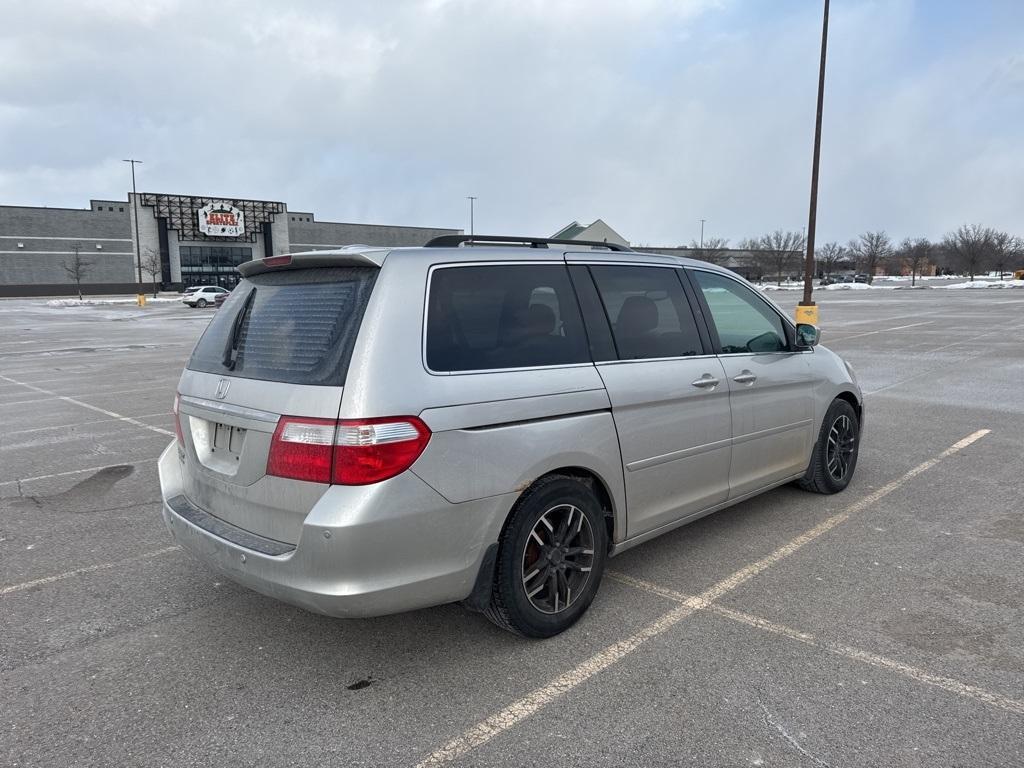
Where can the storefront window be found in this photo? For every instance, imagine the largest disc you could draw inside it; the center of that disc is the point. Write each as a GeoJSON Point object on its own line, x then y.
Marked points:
{"type": "Point", "coordinates": [212, 264]}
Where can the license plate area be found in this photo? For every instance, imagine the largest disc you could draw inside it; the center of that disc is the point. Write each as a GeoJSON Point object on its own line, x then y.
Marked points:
{"type": "Point", "coordinates": [218, 446]}
{"type": "Point", "coordinates": [228, 439]}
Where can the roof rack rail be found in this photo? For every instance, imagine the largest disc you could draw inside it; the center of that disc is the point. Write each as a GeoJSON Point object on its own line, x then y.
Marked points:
{"type": "Point", "coordinates": [454, 241]}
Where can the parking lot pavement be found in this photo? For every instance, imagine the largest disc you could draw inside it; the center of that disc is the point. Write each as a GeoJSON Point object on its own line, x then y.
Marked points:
{"type": "Point", "coordinates": [881, 626]}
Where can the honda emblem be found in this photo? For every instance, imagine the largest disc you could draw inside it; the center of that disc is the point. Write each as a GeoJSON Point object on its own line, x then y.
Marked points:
{"type": "Point", "coordinates": [222, 388]}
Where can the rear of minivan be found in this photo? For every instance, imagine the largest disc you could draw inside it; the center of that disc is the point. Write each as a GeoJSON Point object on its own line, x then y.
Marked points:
{"type": "Point", "coordinates": [271, 485]}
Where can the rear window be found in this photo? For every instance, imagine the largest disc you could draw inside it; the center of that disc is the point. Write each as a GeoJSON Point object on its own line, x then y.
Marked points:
{"type": "Point", "coordinates": [490, 317]}
{"type": "Point", "coordinates": [299, 329]}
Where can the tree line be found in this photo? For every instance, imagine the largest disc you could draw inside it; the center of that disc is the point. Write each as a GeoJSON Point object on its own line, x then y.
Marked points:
{"type": "Point", "coordinates": [970, 249]}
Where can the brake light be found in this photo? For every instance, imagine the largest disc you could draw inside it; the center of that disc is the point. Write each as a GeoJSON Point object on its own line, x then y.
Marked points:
{"type": "Point", "coordinates": [347, 452]}
{"type": "Point", "coordinates": [277, 261]}
{"type": "Point", "coordinates": [177, 420]}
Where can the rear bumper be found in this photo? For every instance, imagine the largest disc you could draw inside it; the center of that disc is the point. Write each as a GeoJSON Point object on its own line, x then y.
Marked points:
{"type": "Point", "coordinates": [363, 551]}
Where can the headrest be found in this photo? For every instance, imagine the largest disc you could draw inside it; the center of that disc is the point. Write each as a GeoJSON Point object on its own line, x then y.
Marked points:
{"type": "Point", "coordinates": [638, 315]}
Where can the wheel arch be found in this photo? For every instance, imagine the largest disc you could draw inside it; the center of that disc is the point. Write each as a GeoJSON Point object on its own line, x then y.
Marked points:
{"type": "Point", "coordinates": [854, 401]}
{"type": "Point", "coordinates": [480, 597]}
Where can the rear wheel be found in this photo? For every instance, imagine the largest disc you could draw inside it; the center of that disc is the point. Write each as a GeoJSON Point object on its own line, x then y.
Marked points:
{"type": "Point", "coordinates": [835, 454]}
{"type": "Point", "coordinates": [551, 558]}
{"type": "Point", "coordinates": [201, 303]}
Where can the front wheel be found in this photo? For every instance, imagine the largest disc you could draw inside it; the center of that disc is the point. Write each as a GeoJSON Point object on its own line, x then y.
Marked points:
{"type": "Point", "coordinates": [551, 557]}
{"type": "Point", "coordinates": [835, 454]}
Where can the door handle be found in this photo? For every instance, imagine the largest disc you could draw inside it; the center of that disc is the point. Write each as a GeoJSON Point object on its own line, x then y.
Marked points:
{"type": "Point", "coordinates": [707, 381]}
{"type": "Point", "coordinates": [745, 377]}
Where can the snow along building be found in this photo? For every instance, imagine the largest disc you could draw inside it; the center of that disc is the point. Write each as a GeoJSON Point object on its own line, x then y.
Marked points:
{"type": "Point", "coordinates": [188, 240]}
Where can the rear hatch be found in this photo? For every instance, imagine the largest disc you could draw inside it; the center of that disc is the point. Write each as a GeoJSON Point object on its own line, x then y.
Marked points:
{"type": "Point", "coordinates": [280, 345]}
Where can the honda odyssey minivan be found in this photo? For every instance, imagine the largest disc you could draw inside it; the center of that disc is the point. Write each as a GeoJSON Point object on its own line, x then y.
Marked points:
{"type": "Point", "coordinates": [371, 430]}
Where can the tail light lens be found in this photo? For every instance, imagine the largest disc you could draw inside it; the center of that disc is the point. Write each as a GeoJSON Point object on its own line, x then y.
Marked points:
{"type": "Point", "coordinates": [347, 452]}
{"type": "Point", "coordinates": [177, 420]}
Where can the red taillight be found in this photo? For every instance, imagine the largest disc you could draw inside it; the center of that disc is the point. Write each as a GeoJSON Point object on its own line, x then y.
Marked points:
{"type": "Point", "coordinates": [177, 420]}
{"type": "Point", "coordinates": [370, 450]}
{"type": "Point", "coordinates": [348, 452]}
{"type": "Point", "coordinates": [302, 449]}
{"type": "Point", "coordinates": [277, 261]}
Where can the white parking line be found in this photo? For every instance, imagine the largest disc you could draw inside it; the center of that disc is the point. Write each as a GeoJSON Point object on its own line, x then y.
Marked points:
{"type": "Point", "coordinates": [914, 673]}
{"type": "Point", "coordinates": [518, 711]}
{"type": "Point", "coordinates": [104, 411]}
{"type": "Point", "coordinates": [87, 569]}
{"type": "Point", "coordinates": [56, 396]}
{"type": "Point", "coordinates": [71, 472]}
{"type": "Point", "coordinates": [75, 425]}
{"type": "Point", "coordinates": [881, 330]}
{"type": "Point", "coordinates": [944, 347]}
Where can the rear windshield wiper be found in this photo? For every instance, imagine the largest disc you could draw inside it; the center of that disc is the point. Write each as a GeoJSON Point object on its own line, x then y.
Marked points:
{"type": "Point", "coordinates": [231, 348]}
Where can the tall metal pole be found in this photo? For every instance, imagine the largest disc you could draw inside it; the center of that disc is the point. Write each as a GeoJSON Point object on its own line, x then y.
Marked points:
{"type": "Point", "coordinates": [471, 199]}
{"type": "Point", "coordinates": [135, 212]}
{"type": "Point", "coordinates": [813, 212]}
{"type": "Point", "coordinates": [702, 233]}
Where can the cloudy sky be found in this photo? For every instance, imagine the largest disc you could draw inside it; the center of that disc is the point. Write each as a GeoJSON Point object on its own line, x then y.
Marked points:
{"type": "Point", "coordinates": [648, 114]}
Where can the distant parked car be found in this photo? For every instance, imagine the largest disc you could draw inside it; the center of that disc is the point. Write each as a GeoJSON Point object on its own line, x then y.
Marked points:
{"type": "Point", "coordinates": [204, 295]}
{"type": "Point", "coordinates": [862, 278]}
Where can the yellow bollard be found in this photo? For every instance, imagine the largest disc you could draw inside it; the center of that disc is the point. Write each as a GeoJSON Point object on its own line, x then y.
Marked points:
{"type": "Point", "coordinates": [141, 299]}
{"type": "Point", "coordinates": [806, 314]}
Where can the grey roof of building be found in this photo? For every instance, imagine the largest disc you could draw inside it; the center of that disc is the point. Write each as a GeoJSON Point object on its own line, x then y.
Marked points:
{"type": "Point", "coordinates": [569, 231]}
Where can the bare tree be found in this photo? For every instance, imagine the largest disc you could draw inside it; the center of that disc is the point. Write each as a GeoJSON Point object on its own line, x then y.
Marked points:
{"type": "Point", "coordinates": [1006, 250]}
{"type": "Point", "coordinates": [151, 266]}
{"type": "Point", "coordinates": [831, 255]}
{"type": "Point", "coordinates": [871, 249]}
{"type": "Point", "coordinates": [970, 247]}
{"type": "Point", "coordinates": [913, 254]}
{"type": "Point", "coordinates": [780, 251]}
{"type": "Point", "coordinates": [77, 267]}
{"type": "Point", "coordinates": [713, 250]}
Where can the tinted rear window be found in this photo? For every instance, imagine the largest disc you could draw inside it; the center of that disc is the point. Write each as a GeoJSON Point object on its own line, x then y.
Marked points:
{"type": "Point", "coordinates": [300, 328]}
{"type": "Point", "coordinates": [488, 317]}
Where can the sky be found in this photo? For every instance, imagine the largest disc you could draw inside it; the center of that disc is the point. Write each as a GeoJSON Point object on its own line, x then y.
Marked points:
{"type": "Point", "coordinates": [650, 115]}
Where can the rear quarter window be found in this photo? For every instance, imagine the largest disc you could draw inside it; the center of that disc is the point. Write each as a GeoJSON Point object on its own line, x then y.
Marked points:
{"type": "Point", "coordinates": [300, 328]}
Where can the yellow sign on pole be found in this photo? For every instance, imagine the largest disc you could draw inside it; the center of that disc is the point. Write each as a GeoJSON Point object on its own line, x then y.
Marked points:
{"type": "Point", "coordinates": [807, 314]}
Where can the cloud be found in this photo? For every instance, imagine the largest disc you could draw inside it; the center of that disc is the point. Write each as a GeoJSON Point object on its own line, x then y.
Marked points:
{"type": "Point", "coordinates": [648, 114]}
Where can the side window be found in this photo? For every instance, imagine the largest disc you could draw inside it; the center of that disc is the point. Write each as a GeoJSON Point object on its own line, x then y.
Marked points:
{"type": "Point", "coordinates": [744, 321]}
{"type": "Point", "coordinates": [648, 312]}
{"type": "Point", "coordinates": [503, 316]}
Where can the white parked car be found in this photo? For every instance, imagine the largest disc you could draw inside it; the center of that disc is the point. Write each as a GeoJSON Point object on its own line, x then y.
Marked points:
{"type": "Point", "coordinates": [203, 296]}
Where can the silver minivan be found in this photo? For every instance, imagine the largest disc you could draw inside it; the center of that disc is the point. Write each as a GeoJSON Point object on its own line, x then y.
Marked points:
{"type": "Point", "coordinates": [371, 430]}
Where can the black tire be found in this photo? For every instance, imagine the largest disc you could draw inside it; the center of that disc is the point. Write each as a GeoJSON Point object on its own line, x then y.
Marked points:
{"type": "Point", "coordinates": [201, 303]}
{"type": "Point", "coordinates": [511, 608]}
{"type": "Point", "coordinates": [834, 458]}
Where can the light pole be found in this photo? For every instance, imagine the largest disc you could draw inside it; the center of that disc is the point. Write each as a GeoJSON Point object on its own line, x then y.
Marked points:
{"type": "Point", "coordinates": [135, 213]}
{"type": "Point", "coordinates": [471, 199]}
{"type": "Point", "coordinates": [807, 310]}
{"type": "Point", "coordinates": [702, 233]}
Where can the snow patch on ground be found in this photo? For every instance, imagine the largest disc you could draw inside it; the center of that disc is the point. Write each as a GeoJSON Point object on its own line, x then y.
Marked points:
{"type": "Point", "coordinates": [855, 287]}
{"type": "Point", "coordinates": [982, 284]}
{"type": "Point", "coordinates": [94, 302]}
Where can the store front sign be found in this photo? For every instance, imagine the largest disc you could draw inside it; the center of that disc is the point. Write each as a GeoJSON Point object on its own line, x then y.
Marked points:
{"type": "Point", "coordinates": [221, 220]}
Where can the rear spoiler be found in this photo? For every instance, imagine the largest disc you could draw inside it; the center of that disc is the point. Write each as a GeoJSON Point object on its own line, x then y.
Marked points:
{"type": "Point", "coordinates": [342, 257]}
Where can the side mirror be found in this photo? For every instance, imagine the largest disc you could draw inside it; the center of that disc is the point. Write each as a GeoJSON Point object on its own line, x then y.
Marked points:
{"type": "Point", "coordinates": [807, 335]}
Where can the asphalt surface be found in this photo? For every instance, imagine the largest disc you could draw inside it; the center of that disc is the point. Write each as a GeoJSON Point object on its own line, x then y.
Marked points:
{"type": "Point", "coordinates": [880, 626]}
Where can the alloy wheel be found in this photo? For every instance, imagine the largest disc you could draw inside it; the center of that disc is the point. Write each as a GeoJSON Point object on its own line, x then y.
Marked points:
{"type": "Point", "coordinates": [842, 441]}
{"type": "Point", "coordinates": [558, 558]}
